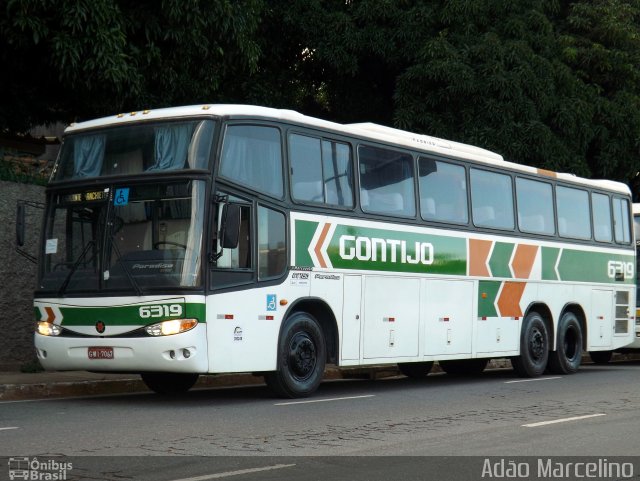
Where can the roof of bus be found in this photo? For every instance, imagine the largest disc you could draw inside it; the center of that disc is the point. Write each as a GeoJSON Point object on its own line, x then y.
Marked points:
{"type": "Point", "coordinates": [365, 130]}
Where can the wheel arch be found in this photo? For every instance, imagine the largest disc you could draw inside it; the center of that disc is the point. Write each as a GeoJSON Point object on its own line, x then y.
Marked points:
{"type": "Point", "coordinates": [321, 311]}
{"type": "Point", "coordinates": [544, 311]}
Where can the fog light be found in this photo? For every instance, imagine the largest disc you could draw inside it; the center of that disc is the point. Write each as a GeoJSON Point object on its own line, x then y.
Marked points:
{"type": "Point", "coordinates": [172, 354]}
{"type": "Point", "coordinates": [186, 353]}
{"type": "Point", "coordinates": [168, 328]}
{"type": "Point", "coordinates": [49, 329]}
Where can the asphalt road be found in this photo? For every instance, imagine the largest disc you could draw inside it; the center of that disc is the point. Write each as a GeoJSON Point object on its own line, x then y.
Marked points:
{"type": "Point", "coordinates": [347, 430]}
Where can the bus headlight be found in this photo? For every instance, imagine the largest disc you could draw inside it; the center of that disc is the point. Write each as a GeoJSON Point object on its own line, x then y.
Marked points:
{"type": "Point", "coordinates": [168, 328]}
{"type": "Point", "coordinates": [49, 329]}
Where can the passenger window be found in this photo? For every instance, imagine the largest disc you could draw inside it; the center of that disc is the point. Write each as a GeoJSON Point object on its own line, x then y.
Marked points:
{"type": "Point", "coordinates": [272, 252]}
{"type": "Point", "coordinates": [320, 171]}
{"type": "Point", "coordinates": [574, 219]}
{"type": "Point", "coordinates": [601, 217]}
{"type": "Point", "coordinates": [621, 222]}
{"type": "Point", "coordinates": [337, 173]}
{"type": "Point", "coordinates": [305, 156]}
{"type": "Point", "coordinates": [443, 191]}
{"type": "Point", "coordinates": [386, 182]}
{"type": "Point", "coordinates": [535, 206]}
{"type": "Point", "coordinates": [491, 199]}
{"type": "Point", "coordinates": [252, 156]}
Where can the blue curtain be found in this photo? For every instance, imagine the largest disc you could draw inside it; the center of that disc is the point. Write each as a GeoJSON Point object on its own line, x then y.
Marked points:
{"type": "Point", "coordinates": [171, 146]}
{"type": "Point", "coordinates": [88, 154]}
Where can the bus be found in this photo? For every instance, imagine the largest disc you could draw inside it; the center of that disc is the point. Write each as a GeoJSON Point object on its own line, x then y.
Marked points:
{"type": "Point", "coordinates": [603, 357]}
{"type": "Point", "coordinates": [229, 239]}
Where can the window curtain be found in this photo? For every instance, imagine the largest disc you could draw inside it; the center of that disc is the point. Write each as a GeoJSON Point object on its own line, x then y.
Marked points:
{"type": "Point", "coordinates": [88, 155]}
{"type": "Point", "coordinates": [254, 162]}
{"type": "Point", "coordinates": [171, 146]}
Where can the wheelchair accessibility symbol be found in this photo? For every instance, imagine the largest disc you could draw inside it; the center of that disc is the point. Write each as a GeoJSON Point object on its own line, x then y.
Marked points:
{"type": "Point", "coordinates": [271, 302]}
{"type": "Point", "coordinates": [121, 197]}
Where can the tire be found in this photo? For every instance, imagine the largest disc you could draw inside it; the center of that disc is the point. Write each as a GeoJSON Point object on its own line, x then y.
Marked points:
{"type": "Point", "coordinates": [415, 370]}
{"type": "Point", "coordinates": [601, 357]}
{"type": "Point", "coordinates": [568, 354]}
{"type": "Point", "coordinates": [534, 347]}
{"type": "Point", "coordinates": [462, 367]}
{"type": "Point", "coordinates": [169, 382]}
{"type": "Point", "coordinates": [301, 358]}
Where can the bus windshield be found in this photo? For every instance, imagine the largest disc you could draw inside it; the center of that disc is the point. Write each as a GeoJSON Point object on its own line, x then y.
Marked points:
{"type": "Point", "coordinates": [136, 237]}
{"type": "Point", "coordinates": [135, 149]}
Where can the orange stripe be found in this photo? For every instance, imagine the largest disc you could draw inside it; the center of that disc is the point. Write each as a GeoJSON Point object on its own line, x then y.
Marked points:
{"type": "Point", "coordinates": [478, 254]}
{"type": "Point", "coordinates": [509, 300]}
{"type": "Point", "coordinates": [323, 235]}
{"type": "Point", "coordinates": [548, 173]}
{"type": "Point", "coordinates": [51, 316]}
{"type": "Point", "coordinates": [523, 260]}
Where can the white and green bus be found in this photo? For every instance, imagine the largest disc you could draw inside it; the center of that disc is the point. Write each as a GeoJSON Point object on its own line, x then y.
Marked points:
{"type": "Point", "coordinates": [227, 238]}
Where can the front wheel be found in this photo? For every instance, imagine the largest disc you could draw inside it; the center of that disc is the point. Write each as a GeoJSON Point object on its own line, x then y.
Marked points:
{"type": "Point", "coordinates": [301, 358]}
{"type": "Point", "coordinates": [534, 347]}
{"type": "Point", "coordinates": [568, 354]}
{"type": "Point", "coordinates": [169, 382]}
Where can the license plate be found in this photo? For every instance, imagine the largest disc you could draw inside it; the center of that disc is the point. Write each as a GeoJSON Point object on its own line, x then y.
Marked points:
{"type": "Point", "coordinates": [100, 353]}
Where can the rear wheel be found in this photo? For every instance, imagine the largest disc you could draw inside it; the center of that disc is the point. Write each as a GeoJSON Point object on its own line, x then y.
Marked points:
{"type": "Point", "coordinates": [568, 354]}
{"type": "Point", "coordinates": [601, 357]}
{"type": "Point", "coordinates": [534, 347]}
{"type": "Point", "coordinates": [461, 367]}
{"type": "Point", "coordinates": [301, 358]}
{"type": "Point", "coordinates": [169, 382]}
{"type": "Point", "coordinates": [415, 370]}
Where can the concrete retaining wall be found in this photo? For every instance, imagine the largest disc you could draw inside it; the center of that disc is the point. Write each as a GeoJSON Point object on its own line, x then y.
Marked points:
{"type": "Point", "coordinates": [17, 276]}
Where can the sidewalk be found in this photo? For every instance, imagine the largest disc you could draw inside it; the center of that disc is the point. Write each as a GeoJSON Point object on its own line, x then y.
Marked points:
{"type": "Point", "coordinates": [17, 386]}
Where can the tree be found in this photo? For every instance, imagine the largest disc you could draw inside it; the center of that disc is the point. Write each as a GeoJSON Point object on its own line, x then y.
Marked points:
{"type": "Point", "coordinates": [68, 59]}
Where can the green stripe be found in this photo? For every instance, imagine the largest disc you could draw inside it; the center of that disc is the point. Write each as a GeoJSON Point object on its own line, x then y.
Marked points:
{"type": "Point", "coordinates": [500, 257]}
{"type": "Point", "coordinates": [125, 315]}
{"type": "Point", "coordinates": [549, 259]}
{"type": "Point", "coordinates": [305, 231]}
{"type": "Point", "coordinates": [487, 292]}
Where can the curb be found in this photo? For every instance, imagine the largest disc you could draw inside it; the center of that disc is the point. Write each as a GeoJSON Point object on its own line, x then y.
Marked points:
{"type": "Point", "coordinates": [126, 384]}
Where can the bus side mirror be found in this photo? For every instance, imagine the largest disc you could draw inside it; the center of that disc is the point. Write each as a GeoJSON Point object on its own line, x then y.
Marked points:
{"type": "Point", "coordinates": [230, 226]}
{"type": "Point", "coordinates": [20, 216]}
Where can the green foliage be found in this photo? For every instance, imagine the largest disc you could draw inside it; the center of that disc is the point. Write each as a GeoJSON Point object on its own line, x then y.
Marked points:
{"type": "Point", "coordinates": [553, 84]}
{"type": "Point", "coordinates": [67, 59]}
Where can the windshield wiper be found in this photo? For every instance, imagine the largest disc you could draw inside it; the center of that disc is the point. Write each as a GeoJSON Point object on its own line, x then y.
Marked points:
{"type": "Point", "coordinates": [132, 279]}
{"type": "Point", "coordinates": [74, 268]}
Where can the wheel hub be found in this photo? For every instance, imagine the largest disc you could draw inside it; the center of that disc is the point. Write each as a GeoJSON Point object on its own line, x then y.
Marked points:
{"type": "Point", "coordinates": [536, 344]}
{"type": "Point", "coordinates": [302, 356]}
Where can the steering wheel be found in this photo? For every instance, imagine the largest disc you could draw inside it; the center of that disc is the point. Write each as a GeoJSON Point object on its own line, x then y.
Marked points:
{"type": "Point", "coordinates": [159, 243]}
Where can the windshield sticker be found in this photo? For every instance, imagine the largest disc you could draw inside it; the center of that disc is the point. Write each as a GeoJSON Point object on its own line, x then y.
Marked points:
{"type": "Point", "coordinates": [121, 197]}
{"type": "Point", "coordinates": [51, 247]}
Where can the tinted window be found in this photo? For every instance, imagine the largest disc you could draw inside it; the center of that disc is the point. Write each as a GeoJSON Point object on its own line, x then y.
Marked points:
{"type": "Point", "coordinates": [305, 156]}
{"type": "Point", "coordinates": [621, 220]}
{"type": "Point", "coordinates": [443, 191]}
{"type": "Point", "coordinates": [386, 181]}
{"type": "Point", "coordinates": [272, 252]}
{"type": "Point", "coordinates": [252, 156]}
{"type": "Point", "coordinates": [320, 171]}
{"type": "Point", "coordinates": [338, 180]}
{"type": "Point", "coordinates": [574, 219]}
{"type": "Point", "coordinates": [491, 199]}
{"type": "Point", "coordinates": [601, 217]}
{"type": "Point", "coordinates": [535, 206]}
